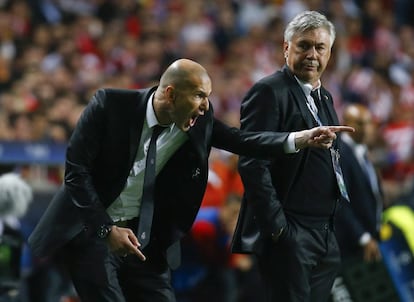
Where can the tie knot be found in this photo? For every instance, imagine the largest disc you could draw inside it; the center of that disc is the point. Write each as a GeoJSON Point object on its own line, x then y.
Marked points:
{"type": "Point", "coordinates": [315, 94]}
{"type": "Point", "coordinates": [156, 131]}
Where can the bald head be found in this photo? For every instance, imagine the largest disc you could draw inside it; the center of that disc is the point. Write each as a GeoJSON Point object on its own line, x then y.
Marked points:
{"type": "Point", "coordinates": [183, 74]}
{"type": "Point", "coordinates": [355, 112]}
{"type": "Point", "coordinates": [359, 117]}
{"type": "Point", "coordinates": [182, 95]}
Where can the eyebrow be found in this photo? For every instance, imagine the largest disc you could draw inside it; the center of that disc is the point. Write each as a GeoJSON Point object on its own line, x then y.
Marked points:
{"type": "Point", "coordinates": [202, 93]}
{"type": "Point", "coordinates": [306, 41]}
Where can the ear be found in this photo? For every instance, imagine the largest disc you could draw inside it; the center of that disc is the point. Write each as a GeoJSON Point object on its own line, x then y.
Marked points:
{"type": "Point", "coordinates": [285, 49]}
{"type": "Point", "coordinates": [170, 93]}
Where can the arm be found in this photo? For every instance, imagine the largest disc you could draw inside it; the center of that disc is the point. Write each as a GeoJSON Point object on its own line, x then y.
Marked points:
{"type": "Point", "coordinates": [253, 143]}
{"type": "Point", "coordinates": [266, 144]}
{"type": "Point", "coordinates": [357, 234]}
{"type": "Point", "coordinates": [346, 216]}
{"type": "Point", "coordinates": [83, 148]}
{"type": "Point", "coordinates": [259, 112]}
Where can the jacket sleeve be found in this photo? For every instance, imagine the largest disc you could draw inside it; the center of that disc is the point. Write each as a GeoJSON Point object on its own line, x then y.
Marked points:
{"type": "Point", "coordinates": [259, 144]}
{"type": "Point", "coordinates": [82, 151]}
{"type": "Point", "coordinates": [259, 112]}
{"type": "Point", "coordinates": [346, 217]}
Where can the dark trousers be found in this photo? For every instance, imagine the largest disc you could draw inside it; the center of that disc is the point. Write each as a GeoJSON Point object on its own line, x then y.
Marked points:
{"type": "Point", "coordinates": [302, 265]}
{"type": "Point", "coordinates": [101, 276]}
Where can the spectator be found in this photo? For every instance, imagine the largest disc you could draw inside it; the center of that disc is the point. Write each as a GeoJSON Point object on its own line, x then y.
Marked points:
{"type": "Point", "coordinates": [15, 197]}
{"type": "Point", "coordinates": [208, 264]}
{"type": "Point", "coordinates": [358, 222]}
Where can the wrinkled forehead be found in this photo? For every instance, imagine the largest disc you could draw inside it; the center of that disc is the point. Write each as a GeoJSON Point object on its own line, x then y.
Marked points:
{"type": "Point", "coordinates": [206, 84]}
{"type": "Point", "coordinates": [319, 32]}
{"type": "Point", "coordinates": [201, 83]}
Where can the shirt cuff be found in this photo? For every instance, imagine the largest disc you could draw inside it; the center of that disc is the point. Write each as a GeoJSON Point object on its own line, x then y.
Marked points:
{"type": "Point", "coordinates": [364, 239]}
{"type": "Point", "coordinates": [289, 145]}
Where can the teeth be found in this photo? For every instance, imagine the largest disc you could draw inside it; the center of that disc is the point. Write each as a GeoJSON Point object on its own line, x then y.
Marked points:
{"type": "Point", "coordinates": [193, 121]}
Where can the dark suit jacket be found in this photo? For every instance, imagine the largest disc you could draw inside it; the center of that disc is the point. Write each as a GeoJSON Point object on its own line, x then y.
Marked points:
{"type": "Point", "coordinates": [101, 153]}
{"type": "Point", "coordinates": [360, 215]}
{"type": "Point", "coordinates": [281, 105]}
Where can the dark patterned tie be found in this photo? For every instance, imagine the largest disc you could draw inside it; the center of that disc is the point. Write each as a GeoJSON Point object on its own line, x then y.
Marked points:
{"type": "Point", "coordinates": [322, 118]}
{"type": "Point", "coordinates": [147, 201]}
{"type": "Point", "coordinates": [321, 112]}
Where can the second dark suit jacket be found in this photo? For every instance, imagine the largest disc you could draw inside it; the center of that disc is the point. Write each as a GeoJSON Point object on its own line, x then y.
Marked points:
{"type": "Point", "coordinates": [99, 158]}
{"type": "Point", "coordinates": [280, 103]}
{"type": "Point", "coordinates": [361, 214]}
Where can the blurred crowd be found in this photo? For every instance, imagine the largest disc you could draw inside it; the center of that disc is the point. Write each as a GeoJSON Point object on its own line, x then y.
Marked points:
{"type": "Point", "coordinates": [54, 54]}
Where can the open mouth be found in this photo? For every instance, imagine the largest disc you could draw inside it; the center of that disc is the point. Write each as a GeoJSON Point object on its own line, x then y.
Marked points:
{"type": "Point", "coordinates": [193, 120]}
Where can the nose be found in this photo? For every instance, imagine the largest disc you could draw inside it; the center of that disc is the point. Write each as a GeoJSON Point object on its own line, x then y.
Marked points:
{"type": "Point", "coordinates": [205, 105]}
{"type": "Point", "coordinates": [312, 53]}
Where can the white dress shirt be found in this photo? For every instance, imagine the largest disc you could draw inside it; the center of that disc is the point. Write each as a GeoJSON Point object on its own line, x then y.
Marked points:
{"type": "Point", "coordinates": [290, 146]}
{"type": "Point", "coordinates": [127, 205]}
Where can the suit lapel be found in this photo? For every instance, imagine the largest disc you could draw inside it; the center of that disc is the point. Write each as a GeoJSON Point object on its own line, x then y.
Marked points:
{"type": "Point", "coordinates": [137, 123]}
{"type": "Point", "coordinates": [197, 136]}
{"type": "Point", "coordinates": [299, 98]}
{"type": "Point", "coordinates": [327, 102]}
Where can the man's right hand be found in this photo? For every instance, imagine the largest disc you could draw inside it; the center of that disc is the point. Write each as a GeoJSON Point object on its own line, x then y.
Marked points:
{"type": "Point", "coordinates": [319, 137]}
{"type": "Point", "coordinates": [123, 242]}
{"type": "Point", "coordinates": [371, 251]}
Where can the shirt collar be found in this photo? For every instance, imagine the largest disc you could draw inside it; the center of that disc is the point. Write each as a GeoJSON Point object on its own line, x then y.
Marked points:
{"type": "Point", "coordinates": [306, 87]}
{"type": "Point", "coordinates": [151, 117]}
{"type": "Point", "coordinates": [348, 139]}
{"type": "Point", "coordinates": [360, 149]}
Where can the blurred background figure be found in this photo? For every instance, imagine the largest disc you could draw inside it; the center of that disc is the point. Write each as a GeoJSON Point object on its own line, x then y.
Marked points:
{"type": "Point", "coordinates": [223, 178]}
{"type": "Point", "coordinates": [22, 277]}
{"type": "Point", "coordinates": [15, 197]}
{"type": "Point", "coordinates": [358, 222]}
{"type": "Point", "coordinates": [208, 267]}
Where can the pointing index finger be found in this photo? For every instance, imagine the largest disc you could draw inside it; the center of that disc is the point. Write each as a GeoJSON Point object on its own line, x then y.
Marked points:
{"type": "Point", "coordinates": [341, 129]}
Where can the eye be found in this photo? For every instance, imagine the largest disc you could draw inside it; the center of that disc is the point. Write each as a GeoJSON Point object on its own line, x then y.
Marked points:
{"type": "Point", "coordinates": [201, 96]}
{"type": "Point", "coordinates": [303, 46]}
{"type": "Point", "coordinates": [321, 48]}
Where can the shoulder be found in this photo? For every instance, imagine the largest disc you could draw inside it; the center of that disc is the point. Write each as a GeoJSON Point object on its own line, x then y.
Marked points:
{"type": "Point", "coordinates": [278, 83]}
{"type": "Point", "coordinates": [276, 78]}
{"type": "Point", "coordinates": [122, 95]}
{"type": "Point", "coordinates": [119, 100]}
{"type": "Point", "coordinates": [346, 150]}
{"type": "Point", "coordinates": [343, 144]}
{"type": "Point", "coordinates": [325, 94]}
{"type": "Point", "coordinates": [272, 89]}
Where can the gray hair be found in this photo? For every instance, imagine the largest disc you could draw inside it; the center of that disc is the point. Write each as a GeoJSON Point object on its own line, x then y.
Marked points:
{"type": "Point", "coordinates": [309, 20]}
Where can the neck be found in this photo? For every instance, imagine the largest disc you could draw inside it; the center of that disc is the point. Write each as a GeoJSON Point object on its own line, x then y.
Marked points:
{"type": "Point", "coordinates": [161, 111]}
